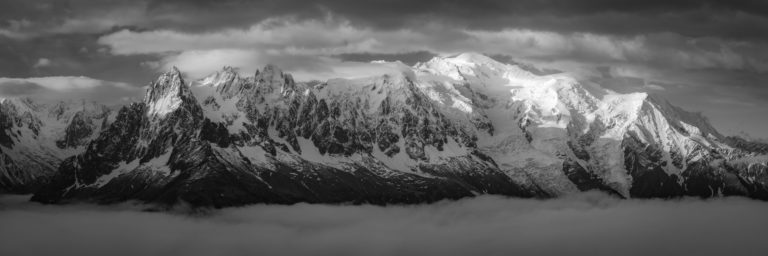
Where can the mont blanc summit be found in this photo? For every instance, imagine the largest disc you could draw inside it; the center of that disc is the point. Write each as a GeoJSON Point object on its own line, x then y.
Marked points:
{"type": "Point", "coordinates": [447, 128]}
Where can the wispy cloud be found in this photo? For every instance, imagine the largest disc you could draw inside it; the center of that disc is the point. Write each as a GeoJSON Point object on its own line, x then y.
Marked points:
{"type": "Point", "coordinates": [288, 37]}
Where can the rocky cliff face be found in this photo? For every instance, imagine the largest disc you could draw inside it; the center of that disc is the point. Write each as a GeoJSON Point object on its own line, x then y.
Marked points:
{"type": "Point", "coordinates": [267, 139]}
{"type": "Point", "coordinates": [448, 128]}
{"type": "Point", "coordinates": [36, 138]}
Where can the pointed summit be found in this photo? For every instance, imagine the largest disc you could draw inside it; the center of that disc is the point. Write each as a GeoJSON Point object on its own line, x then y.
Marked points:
{"type": "Point", "coordinates": [229, 69]}
{"type": "Point", "coordinates": [166, 93]}
{"type": "Point", "coordinates": [473, 60]}
{"type": "Point", "coordinates": [270, 73]}
{"type": "Point", "coordinates": [225, 77]}
{"type": "Point", "coordinates": [474, 57]}
{"type": "Point", "coordinates": [164, 82]}
{"type": "Point", "coordinates": [480, 69]}
{"type": "Point", "coordinates": [22, 103]}
{"type": "Point", "coordinates": [274, 77]}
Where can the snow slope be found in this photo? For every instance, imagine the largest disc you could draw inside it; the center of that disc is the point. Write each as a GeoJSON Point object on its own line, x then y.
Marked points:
{"type": "Point", "coordinates": [35, 138]}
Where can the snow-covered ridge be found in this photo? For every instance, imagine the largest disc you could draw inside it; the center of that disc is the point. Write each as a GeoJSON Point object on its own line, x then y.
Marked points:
{"type": "Point", "coordinates": [544, 115]}
{"type": "Point", "coordinates": [439, 121]}
{"type": "Point", "coordinates": [525, 122]}
{"type": "Point", "coordinates": [35, 138]}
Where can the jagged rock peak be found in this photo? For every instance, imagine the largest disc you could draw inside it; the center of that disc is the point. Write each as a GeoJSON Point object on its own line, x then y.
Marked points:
{"type": "Point", "coordinates": [229, 69]}
{"type": "Point", "coordinates": [448, 128]}
{"type": "Point", "coordinates": [168, 82]}
{"type": "Point", "coordinates": [224, 77]}
{"type": "Point", "coordinates": [166, 93]}
{"type": "Point", "coordinates": [274, 76]}
{"type": "Point", "coordinates": [23, 101]}
{"type": "Point", "coordinates": [65, 108]}
{"type": "Point", "coordinates": [21, 105]}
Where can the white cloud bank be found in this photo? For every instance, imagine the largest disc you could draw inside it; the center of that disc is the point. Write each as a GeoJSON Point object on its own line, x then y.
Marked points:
{"type": "Point", "coordinates": [63, 83]}
{"type": "Point", "coordinates": [586, 224]}
{"type": "Point", "coordinates": [56, 88]}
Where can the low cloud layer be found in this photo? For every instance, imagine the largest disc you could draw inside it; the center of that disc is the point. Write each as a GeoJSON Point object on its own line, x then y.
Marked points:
{"type": "Point", "coordinates": [57, 88]}
{"type": "Point", "coordinates": [586, 224]}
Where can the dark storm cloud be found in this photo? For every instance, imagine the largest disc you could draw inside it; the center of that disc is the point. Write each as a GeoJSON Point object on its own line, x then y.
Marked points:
{"type": "Point", "coordinates": [731, 19]}
{"type": "Point", "coordinates": [741, 19]}
{"type": "Point", "coordinates": [21, 19]}
{"type": "Point", "coordinates": [664, 29]}
{"type": "Point", "coordinates": [586, 224]}
{"type": "Point", "coordinates": [655, 20]}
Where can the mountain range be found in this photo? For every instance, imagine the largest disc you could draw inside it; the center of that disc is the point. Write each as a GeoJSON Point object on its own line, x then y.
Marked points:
{"type": "Point", "coordinates": [448, 128]}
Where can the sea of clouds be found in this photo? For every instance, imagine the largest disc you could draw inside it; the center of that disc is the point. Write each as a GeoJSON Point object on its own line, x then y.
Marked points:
{"type": "Point", "coordinates": [584, 224]}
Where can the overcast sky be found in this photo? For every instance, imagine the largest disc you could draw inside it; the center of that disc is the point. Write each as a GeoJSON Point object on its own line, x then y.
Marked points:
{"type": "Point", "coordinates": [708, 56]}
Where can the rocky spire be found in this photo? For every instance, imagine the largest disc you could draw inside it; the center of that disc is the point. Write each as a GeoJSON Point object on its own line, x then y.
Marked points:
{"type": "Point", "coordinates": [222, 78]}
{"type": "Point", "coordinates": [166, 93]}
{"type": "Point", "coordinates": [273, 76]}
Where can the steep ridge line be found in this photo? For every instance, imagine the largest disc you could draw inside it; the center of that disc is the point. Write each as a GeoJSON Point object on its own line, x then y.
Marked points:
{"type": "Point", "coordinates": [447, 128]}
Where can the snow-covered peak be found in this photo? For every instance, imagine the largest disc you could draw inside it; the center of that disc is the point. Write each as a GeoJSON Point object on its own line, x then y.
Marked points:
{"type": "Point", "coordinates": [474, 58]}
{"type": "Point", "coordinates": [451, 115]}
{"type": "Point", "coordinates": [274, 77]}
{"type": "Point", "coordinates": [270, 69]}
{"type": "Point", "coordinates": [166, 94]}
{"type": "Point", "coordinates": [478, 69]}
{"type": "Point", "coordinates": [225, 76]}
{"type": "Point", "coordinates": [521, 119]}
{"type": "Point", "coordinates": [270, 73]}
{"type": "Point", "coordinates": [65, 109]}
{"type": "Point", "coordinates": [546, 113]}
{"type": "Point", "coordinates": [372, 89]}
{"type": "Point", "coordinates": [22, 104]}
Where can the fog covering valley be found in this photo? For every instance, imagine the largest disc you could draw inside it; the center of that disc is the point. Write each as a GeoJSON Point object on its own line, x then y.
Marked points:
{"type": "Point", "coordinates": [256, 127]}
{"type": "Point", "coordinates": [584, 224]}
